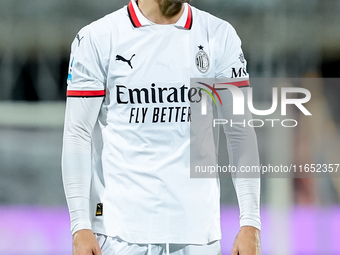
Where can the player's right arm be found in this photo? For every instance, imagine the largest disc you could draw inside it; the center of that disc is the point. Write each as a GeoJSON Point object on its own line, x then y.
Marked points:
{"type": "Point", "coordinates": [85, 93]}
{"type": "Point", "coordinates": [80, 118]}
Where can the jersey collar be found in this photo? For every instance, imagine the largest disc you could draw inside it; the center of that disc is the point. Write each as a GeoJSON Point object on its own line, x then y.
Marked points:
{"type": "Point", "coordinates": [139, 20]}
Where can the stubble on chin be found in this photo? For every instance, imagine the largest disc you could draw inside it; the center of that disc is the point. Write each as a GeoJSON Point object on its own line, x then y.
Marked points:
{"type": "Point", "coordinates": [170, 8]}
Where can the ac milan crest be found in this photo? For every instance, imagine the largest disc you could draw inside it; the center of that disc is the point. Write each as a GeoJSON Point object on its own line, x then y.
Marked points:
{"type": "Point", "coordinates": [202, 60]}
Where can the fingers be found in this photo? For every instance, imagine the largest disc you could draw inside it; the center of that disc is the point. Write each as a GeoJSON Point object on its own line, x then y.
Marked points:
{"type": "Point", "coordinates": [234, 251]}
{"type": "Point", "coordinates": [97, 250]}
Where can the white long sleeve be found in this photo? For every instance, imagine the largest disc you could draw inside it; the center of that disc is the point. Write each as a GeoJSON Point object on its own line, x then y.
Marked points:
{"type": "Point", "coordinates": [80, 118]}
{"type": "Point", "coordinates": [243, 151]}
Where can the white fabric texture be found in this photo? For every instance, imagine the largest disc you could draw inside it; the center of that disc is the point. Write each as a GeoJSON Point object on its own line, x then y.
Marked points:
{"type": "Point", "coordinates": [242, 142]}
{"type": "Point", "coordinates": [80, 118]}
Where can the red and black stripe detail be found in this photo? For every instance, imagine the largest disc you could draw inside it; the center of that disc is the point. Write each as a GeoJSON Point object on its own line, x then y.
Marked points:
{"type": "Point", "coordinates": [84, 93]}
{"type": "Point", "coordinates": [133, 16]}
{"type": "Point", "coordinates": [190, 19]}
{"type": "Point", "coordinates": [239, 84]}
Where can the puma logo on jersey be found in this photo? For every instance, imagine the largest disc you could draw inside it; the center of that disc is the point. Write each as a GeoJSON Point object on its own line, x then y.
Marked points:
{"type": "Point", "coordinates": [120, 58]}
{"type": "Point", "coordinates": [79, 39]}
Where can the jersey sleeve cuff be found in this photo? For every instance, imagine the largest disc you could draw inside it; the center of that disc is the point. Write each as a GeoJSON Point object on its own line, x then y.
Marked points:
{"type": "Point", "coordinates": [256, 223]}
{"type": "Point", "coordinates": [75, 227]}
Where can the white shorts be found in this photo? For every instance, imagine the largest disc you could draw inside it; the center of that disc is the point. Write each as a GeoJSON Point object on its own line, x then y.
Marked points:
{"type": "Point", "coordinates": [116, 246]}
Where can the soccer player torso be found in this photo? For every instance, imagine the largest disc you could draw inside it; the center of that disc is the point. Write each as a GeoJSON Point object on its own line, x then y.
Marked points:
{"type": "Point", "coordinates": [141, 144]}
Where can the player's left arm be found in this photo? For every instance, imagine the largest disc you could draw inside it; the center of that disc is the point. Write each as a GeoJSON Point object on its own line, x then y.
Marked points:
{"type": "Point", "coordinates": [243, 152]}
{"type": "Point", "coordinates": [242, 147]}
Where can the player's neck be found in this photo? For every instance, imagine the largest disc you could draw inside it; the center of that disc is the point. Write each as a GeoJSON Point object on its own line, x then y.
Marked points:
{"type": "Point", "coordinates": [161, 12]}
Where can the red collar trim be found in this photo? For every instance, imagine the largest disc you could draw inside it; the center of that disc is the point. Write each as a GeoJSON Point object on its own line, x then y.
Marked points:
{"type": "Point", "coordinates": [188, 25]}
{"type": "Point", "coordinates": [136, 23]}
{"type": "Point", "coordinates": [133, 17]}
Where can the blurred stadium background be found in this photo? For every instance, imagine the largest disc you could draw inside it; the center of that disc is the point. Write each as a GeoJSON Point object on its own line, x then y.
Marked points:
{"type": "Point", "coordinates": [281, 38]}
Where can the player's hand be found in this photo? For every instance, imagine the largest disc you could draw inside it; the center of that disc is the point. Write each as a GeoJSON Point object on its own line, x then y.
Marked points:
{"type": "Point", "coordinates": [247, 242]}
{"type": "Point", "coordinates": [85, 243]}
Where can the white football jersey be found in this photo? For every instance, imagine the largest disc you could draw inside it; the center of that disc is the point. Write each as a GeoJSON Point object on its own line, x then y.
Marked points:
{"type": "Point", "coordinates": [141, 190]}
